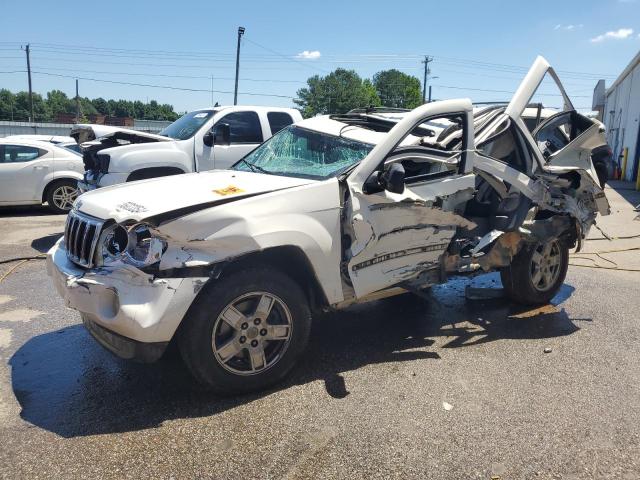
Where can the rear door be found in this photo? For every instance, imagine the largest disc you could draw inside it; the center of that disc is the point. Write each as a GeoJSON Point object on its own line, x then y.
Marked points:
{"type": "Point", "coordinates": [278, 121]}
{"type": "Point", "coordinates": [395, 237]}
{"type": "Point", "coordinates": [567, 140]}
{"type": "Point", "coordinates": [22, 171]}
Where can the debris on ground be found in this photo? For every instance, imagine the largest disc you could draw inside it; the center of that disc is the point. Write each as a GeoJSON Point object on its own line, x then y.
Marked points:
{"type": "Point", "coordinates": [477, 293]}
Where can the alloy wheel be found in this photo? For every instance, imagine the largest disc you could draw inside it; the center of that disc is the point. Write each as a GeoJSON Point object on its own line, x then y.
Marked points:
{"type": "Point", "coordinates": [252, 333]}
{"type": "Point", "coordinates": [64, 196]}
{"type": "Point", "coordinates": [545, 265]}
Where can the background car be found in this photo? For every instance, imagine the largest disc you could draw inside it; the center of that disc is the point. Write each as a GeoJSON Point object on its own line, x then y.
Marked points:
{"type": "Point", "coordinates": [34, 172]}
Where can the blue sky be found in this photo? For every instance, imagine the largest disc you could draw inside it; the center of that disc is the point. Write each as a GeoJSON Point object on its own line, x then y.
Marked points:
{"type": "Point", "coordinates": [475, 45]}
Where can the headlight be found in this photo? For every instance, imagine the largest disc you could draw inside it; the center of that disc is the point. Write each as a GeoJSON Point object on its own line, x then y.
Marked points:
{"type": "Point", "coordinates": [137, 245]}
{"type": "Point", "coordinates": [144, 248]}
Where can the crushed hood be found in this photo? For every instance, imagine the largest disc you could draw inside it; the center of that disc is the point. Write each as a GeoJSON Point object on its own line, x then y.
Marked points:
{"type": "Point", "coordinates": [86, 132]}
{"type": "Point", "coordinates": [161, 199]}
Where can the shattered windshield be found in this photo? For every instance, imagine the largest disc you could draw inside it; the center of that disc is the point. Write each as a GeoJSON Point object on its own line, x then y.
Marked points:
{"type": "Point", "coordinates": [297, 152]}
{"type": "Point", "coordinates": [187, 125]}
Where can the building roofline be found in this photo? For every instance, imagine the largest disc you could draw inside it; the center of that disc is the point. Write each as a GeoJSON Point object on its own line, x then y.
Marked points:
{"type": "Point", "coordinates": [634, 62]}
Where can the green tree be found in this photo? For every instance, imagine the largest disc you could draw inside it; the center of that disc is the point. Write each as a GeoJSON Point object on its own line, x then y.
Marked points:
{"type": "Point", "coordinates": [101, 105]}
{"type": "Point", "coordinates": [337, 92]}
{"type": "Point", "coordinates": [16, 107]}
{"type": "Point", "coordinates": [22, 108]}
{"type": "Point", "coordinates": [7, 104]}
{"type": "Point", "coordinates": [397, 89]}
{"type": "Point", "coordinates": [58, 103]}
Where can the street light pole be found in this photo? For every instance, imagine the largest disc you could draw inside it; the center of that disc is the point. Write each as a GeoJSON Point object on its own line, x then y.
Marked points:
{"type": "Point", "coordinates": [235, 91]}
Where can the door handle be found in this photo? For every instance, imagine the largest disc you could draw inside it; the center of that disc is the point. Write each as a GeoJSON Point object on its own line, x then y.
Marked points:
{"type": "Point", "coordinates": [40, 167]}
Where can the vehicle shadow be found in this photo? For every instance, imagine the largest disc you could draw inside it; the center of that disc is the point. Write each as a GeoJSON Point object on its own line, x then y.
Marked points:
{"type": "Point", "coordinates": [67, 384]}
{"type": "Point", "coordinates": [627, 190]}
{"type": "Point", "coordinates": [27, 211]}
{"type": "Point", "coordinates": [44, 244]}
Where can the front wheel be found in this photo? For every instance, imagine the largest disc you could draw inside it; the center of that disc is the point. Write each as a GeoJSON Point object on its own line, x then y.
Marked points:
{"type": "Point", "coordinates": [245, 331]}
{"type": "Point", "coordinates": [537, 272]}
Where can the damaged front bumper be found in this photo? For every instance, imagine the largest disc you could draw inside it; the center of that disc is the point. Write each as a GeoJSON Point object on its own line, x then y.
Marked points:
{"type": "Point", "coordinates": [131, 313]}
{"type": "Point", "coordinates": [93, 180]}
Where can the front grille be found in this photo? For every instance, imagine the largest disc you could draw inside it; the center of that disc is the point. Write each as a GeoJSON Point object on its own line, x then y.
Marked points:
{"type": "Point", "coordinates": [81, 236]}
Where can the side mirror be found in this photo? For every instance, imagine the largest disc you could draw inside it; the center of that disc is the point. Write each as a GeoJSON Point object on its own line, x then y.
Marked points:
{"type": "Point", "coordinates": [392, 178]}
{"type": "Point", "coordinates": [207, 139]}
{"type": "Point", "coordinates": [222, 134]}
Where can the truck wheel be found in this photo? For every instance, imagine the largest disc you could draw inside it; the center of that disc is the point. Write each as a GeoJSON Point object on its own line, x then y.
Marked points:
{"type": "Point", "coordinates": [246, 331]}
{"type": "Point", "coordinates": [537, 272]}
{"type": "Point", "coordinates": [61, 194]}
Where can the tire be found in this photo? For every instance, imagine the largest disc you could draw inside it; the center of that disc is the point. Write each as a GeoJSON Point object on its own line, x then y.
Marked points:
{"type": "Point", "coordinates": [233, 369]}
{"type": "Point", "coordinates": [537, 272]}
{"type": "Point", "coordinates": [61, 194]}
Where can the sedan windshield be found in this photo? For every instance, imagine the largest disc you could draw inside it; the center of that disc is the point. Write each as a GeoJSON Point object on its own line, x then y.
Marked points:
{"type": "Point", "coordinates": [187, 125]}
{"type": "Point", "coordinates": [297, 152]}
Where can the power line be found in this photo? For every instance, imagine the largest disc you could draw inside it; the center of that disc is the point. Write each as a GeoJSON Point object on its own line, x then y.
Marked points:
{"type": "Point", "coordinates": [285, 56]}
{"type": "Point", "coordinates": [164, 75]}
{"type": "Point", "coordinates": [169, 87]}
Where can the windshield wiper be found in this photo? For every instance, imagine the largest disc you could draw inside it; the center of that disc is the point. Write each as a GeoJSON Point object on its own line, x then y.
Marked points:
{"type": "Point", "coordinates": [255, 168]}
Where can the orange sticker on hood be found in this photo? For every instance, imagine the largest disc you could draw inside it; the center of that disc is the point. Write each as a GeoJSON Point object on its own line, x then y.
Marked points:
{"type": "Point", "coordinates": [230, 190]}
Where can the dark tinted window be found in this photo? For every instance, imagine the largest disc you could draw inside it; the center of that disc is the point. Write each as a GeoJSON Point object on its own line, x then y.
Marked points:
{"type": "Point", "coordinates": [244, 127]}
{"type": "Point", "coordinates": [19, 153]}
{"type": "Point", "coordinates": [278, 120]}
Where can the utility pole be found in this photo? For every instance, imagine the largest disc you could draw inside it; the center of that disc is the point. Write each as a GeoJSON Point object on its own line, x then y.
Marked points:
{"type": "Point", "coordinates": [27, 50]}
{"type": "Point", "coordinates": [77, 103]}
{"type": "Point", "coordinates": [429, 93]}
{"type": "Point", "coordinates": [426, 61]}
{"type": "Point", "coordinates": [235, 92]}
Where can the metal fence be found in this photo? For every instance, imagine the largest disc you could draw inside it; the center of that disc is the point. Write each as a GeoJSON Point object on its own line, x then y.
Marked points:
{"type": "Point", "coordinates": [36, 128]}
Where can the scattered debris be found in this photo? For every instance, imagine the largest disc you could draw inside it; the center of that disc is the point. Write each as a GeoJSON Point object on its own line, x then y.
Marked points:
{"type": "Point", "coordinates": [447, 406]}
{"type": "Point", "coordinates": [484, 293]}
{"type": "Point", "coordinates": [547, 350]}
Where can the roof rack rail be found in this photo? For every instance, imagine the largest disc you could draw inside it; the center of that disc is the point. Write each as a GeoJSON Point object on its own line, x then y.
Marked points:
{"type": "Point", "coordinates": [373, 109]}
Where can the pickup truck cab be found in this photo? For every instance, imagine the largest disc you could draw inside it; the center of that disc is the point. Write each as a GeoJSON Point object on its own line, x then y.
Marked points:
{"type": "Point", "coordinates": [206, 139]}
{"type": "Point", "coordinates": [331, 211]}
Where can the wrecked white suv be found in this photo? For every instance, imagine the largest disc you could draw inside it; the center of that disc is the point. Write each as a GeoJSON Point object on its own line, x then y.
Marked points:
{"type": "Point", "coordinates": [332, 211]}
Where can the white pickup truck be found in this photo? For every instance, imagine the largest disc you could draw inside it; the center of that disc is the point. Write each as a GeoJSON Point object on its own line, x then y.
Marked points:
{"type": "Point", "coordinates": [332, 211]}
{"type": "Point", "coordinates": [207, 139]}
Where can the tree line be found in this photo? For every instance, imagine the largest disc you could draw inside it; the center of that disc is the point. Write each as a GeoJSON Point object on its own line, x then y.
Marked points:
{"type": "Point", "coordinates": [343, 90]}
{"type": "Point", "coordinates": [337, 92]}
{"type": "Point", "coordinates": [15, 106]}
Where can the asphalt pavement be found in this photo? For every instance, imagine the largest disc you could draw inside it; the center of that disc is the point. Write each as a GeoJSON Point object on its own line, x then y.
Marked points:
{"type": "Point", "coordinates": [443, 387]}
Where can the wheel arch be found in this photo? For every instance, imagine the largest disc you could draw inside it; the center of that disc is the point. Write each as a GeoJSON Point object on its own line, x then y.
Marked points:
{"type": "Point", "coordinates": [291, 261]}
{"type": "Point", "coordinates": [51, 183]}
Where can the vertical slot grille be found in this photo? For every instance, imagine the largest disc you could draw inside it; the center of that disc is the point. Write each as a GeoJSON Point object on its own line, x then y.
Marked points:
{"type": "Point", "coordinates": [81, 236]}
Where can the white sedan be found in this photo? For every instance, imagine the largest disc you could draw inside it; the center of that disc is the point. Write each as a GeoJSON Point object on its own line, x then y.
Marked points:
{"type": "Point", "coordinates": [34, 172]}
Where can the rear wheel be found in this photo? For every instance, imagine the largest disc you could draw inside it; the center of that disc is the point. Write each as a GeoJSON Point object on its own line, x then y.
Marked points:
{"type": "Point", "coordinates": [537, 272]}
{"type": "Point", "coordinates": [245, 331]}
{"type": "Point", "coordinates": [61, 194]}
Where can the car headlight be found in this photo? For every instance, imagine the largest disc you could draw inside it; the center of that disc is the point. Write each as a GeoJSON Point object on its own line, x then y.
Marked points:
{"type": "Point", "coordinates": [136, 244]}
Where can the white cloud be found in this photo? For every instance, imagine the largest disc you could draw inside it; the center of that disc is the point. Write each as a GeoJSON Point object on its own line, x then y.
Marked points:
{"type": "Point", "coordinates": [619, 34]}
{"type": "Point", "coordinates": [309, 54]}
{"type": "Point", "coordinates": [571, 26]}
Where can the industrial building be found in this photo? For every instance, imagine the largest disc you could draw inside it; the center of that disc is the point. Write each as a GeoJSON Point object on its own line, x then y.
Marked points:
{"type": "Point", "coordinates": [619, 108]}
